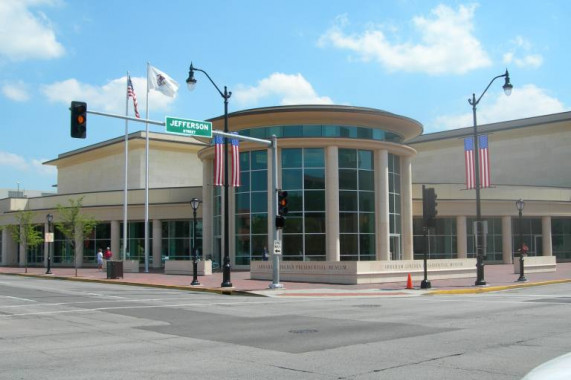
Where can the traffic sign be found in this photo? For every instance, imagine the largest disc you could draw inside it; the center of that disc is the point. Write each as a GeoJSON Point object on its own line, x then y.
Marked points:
{"type": "Point", "coordinates": [188, 127]}
{"type": "Point", "coordinates": [49, 237]}
{"type": "Point", "coordinates": [277, 247]}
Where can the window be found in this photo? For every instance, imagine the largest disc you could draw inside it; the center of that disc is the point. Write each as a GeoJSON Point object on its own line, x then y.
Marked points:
{"type": "Point", "coordinates": [356, 205]}
{"type": "Point", "coordinates": [252, 207]}
{"type": "Point", "coordinates": [494, 245]}
{"type": "Point", "coordinates": [442, 240]}
{"type": "Point", "coordinates": [303, 177]}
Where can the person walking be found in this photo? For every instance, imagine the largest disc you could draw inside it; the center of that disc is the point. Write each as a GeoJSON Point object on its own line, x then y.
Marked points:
{"type": "Point", "coordinates": [100, 259]}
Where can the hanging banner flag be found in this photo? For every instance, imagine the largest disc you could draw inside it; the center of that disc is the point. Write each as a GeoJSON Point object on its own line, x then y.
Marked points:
{"type": "Point", "coordinates": [218, 160]}
{"type": "Point", "coordinates": [483, 161]}
{"type": "Point", "coordinates": [235, 162]}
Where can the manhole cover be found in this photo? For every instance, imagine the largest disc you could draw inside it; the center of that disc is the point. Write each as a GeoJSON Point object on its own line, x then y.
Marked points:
{"type": "Point", "coordinates": [303, 331]}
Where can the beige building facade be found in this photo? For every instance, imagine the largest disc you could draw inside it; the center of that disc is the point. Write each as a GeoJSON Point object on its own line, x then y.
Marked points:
{"type": "Point", "coordinates": [354, 178]}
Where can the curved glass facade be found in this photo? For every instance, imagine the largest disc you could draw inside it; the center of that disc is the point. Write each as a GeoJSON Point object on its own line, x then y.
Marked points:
{"type": "Point", "coordinates": [319, 130]}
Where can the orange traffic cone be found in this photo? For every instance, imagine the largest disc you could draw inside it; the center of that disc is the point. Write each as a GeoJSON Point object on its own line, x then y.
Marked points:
{"type": "Point", "coordinates": [409, 282]}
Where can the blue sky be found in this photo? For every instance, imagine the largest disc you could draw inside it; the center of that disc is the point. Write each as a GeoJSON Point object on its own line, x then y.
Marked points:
{"type": "Point", "coordinates": [418, 58]}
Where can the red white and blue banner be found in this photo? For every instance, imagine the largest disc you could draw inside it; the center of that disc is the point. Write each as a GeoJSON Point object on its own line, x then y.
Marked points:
{"type": "Point", "coordinates": [235, 162]}
{"type": "Point", "coordinates": [483, 160]}
{"type": "Point", "coordinates": [218, 160]}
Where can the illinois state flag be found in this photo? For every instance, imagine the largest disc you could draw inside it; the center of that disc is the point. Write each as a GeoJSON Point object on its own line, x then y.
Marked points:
{"type": "Point", "coordinates": [483, 162]}
{"type": "Point", "coordinates": [161, 82]}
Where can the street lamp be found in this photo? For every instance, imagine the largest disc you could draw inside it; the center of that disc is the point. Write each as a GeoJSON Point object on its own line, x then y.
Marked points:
{"type": "Point", "coordinates": [50, 219]}
{"type": "Point", "coordinates": [480, 233]}
{"type": "Point", "coordinates": [194, 203]}
{"type": "Point", "coordinates": [191, 82]}
{"type": "Point", "coordinates": [520, 204]}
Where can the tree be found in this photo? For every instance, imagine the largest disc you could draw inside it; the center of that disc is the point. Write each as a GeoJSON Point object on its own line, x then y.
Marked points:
{"type": "Point", "coordinates": [73, 225]}
{"type": "Point", "coordinates": [25, 233]}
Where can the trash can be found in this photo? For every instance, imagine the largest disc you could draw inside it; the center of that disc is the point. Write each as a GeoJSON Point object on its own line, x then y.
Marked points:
{"type": "Point", "coordinates": [114, 269]}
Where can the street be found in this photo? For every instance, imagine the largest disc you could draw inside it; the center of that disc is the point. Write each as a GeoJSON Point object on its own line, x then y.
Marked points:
{"type": "Point", "coordinates": [81, 330]}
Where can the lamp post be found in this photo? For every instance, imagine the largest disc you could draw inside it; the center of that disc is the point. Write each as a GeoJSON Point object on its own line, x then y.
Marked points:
{"type": "Point", "coordinates": [50, 219]}
{"type": "Point", "coordinates": [520, 204]}
{"type": "Point", "coordinates": [194, 203]}
{"type": "Point", "coordinates": [191, 82]}
{"type": "Point", "coordinates": [480, 233]}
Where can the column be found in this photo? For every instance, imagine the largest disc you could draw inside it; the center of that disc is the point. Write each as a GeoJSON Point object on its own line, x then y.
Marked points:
{"type": "Point", "coordinates": [9, 249]}
{"type": "Point", "coordinates": [546, 236]}
{"type": "Point", "coordinates": [461, 237]}
{"type": "Point", "coordinates": [406, 211]}
{"type": "Point", "coordinates": [207, 211]}
{"type": "Point", "coordinates": [332, 243]}
{"type": "Point", "coordinates": [115, 239]}
{"type": "Point", "coordinates": [507, 247]}
{"type": "Point", "coordinates": [382, 242]}
{"type": "Point", "coordinates": [157, 243]}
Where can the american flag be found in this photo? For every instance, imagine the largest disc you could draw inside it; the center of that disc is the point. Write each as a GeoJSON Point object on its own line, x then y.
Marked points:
{"type": "Point", "coordinates": [235, 162]}
{"type": "Point", "coordinates": [483, 159]}
{"type": "Point", "coordinates": [218, 160]}
{"type": "Point", "coordinates": [131, 94]}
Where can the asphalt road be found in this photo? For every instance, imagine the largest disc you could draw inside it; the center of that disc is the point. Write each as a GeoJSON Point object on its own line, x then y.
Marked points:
{"type": "Point", "coordinates": [76, 330]}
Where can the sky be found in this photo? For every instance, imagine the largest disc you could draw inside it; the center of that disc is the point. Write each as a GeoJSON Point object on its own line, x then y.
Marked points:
{"type": "Point", "coordinates": [422, 59]}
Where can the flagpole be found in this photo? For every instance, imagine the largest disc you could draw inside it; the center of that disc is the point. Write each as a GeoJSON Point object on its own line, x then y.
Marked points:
{"type": "Point", "coordinates": [125, 190]}
{"type": "Point", "coordinates": [147, 178]}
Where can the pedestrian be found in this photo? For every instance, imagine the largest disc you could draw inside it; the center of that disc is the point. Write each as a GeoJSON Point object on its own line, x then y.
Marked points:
{"type": "Point", "coordinates": [100, 259]}
{"type": "Point", "coordinates": [108, 254]}
{"type": "Point", "coordinates": [265, 257]}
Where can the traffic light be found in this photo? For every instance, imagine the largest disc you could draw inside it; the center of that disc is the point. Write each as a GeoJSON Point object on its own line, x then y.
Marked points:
{"type": "Point", "coordinates": [280, 222]}
{"type": "Point", "coordinates": [429, 204]}
{"type": "Point", "coordinates": [282, 203]}
{"type": "Point", "coordinates": [78, 119]}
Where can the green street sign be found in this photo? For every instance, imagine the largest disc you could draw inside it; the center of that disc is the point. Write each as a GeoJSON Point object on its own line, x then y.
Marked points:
{"type": "Point", "coordinates": [188, 127]}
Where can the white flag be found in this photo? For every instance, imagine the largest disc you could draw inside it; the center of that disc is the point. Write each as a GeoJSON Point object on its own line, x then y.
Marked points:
{"type": "Point", "coordinates": [161, 82]}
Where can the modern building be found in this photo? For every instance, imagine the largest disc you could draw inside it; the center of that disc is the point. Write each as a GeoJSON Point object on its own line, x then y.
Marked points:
{"type": "Point", "coordinates": [354, 178]}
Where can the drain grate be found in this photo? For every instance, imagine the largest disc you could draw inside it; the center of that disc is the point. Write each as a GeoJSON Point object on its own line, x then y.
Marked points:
{"type": "Point", "coordinates": [303, 331]}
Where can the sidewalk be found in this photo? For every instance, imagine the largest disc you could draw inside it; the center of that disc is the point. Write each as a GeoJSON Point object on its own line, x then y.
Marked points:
{"type": "Point", "coordinates": [497, 277]}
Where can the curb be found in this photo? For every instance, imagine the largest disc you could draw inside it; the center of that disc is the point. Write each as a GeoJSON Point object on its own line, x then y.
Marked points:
{"type": "Point", "coordinates": [495, 288]}
{"type": "Point", "coordinates": [224, 291]}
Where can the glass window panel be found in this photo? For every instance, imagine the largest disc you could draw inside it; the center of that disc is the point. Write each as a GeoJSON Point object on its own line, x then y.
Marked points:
{"type": "Point", "coordinates": [347, 201]}
{"type": "Point", "coordinates": [259, 223]}
{"type": "Point", "coordinates": [347, 179]}
{"type": "Point", "coordinates": [315, 222]}
{"type": "Point", "coordinates": [364, 133]}
{"type": "Point", "coordinates": [245, 160]}
{"type": "Point", "coordinates": [293, 247]}
{"type": "Point", "coordinates": [367, 246]}
{"type": "Point", "coordinates": [314, 200]}
{"type": "Point", "coordinates": [366, 201]}
{"type": "Point", "coordinates": [366, 159]}
{"type": "Point", "coordinates": [243, 203]}
{"type": "Point", "coordinates": [259, 159]}
{"type": "Point", "coordinates": [315, 245]}
{"type": "Point", "coordinates": [311, 130]}
{"type": "Point", "coordinates": [314, 158]}
{"type": "Point", "coordinates": [259, 242]}
{"type": "Point", "coordinates": [314, 179]}
{"type": "Point", "coordinates": [293, 223]}
{"type": "Point", "coordinates": [259, 202]}
{"type": "Point", "coordinates": [348, 222]}
{"type": "Point", "coordinates": [295, 201]}
{"type": "Point", "coordinates": [331, 131]}
{"type": "Point", "coordinates": [259, 180]}
{"type": "Point", "coordinates": [347, 158]}
{"type": "Point", "coordinates": [291, 179]}
{"type": "Point", "coordinates": [244, 180]}
{"type": "Point", "coordinates": [292, 131]}
{"type": "Point", "coordinates": [291, 158]}
{"type": "Point", "coordinates": [243, 224]}
{"type": "Point", "coordinates": [366, 180]}
{"type": "Point", "coordinates": [367, 223]}
{"type": "Point", "coordinates": [349, 244]}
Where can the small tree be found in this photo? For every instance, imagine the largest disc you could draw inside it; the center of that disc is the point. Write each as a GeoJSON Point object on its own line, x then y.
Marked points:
{"type": "Point", "coordinates": [25, 234]}
{"type": "Point", "coordinates": [73, 225]}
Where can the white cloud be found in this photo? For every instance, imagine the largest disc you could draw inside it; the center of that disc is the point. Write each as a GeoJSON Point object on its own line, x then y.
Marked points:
{"type": "Point", "coordinates": [16, 91]}
{"type": "Point", "coordinates": [525, 101]}
{"type": "Point", "coordinates": [109, 98]}
{"type": "Point", "coordinates": [527, 60]}
{"type": "Point", "coordinates": [289, 88]}
{"type": "Point", "coordinates": [447, 44]}
{"type": "Point", "coordinates": [24, 35]}
{"type": "Point", "coordinates": [13, 161]}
